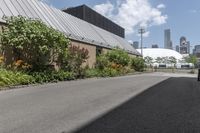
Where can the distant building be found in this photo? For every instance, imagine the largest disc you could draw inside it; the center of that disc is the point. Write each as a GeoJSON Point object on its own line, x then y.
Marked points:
{"type": "Point", "coordinates": [177, 48]}
{"type": "Point", "coordinates": [89, 15]}
{"type": "Point", "coordinates": [188, 46]}
{"type": "Point", "coordinates": [184, 46]}
{"type": "Point", "coordinates": [155, 46]}
{"type": "Point", "coordinates": [135, 44]}
{"type": "Point", "coordinates": [196, 50]}
{"type": "Point", "coordinates": [167, 39]}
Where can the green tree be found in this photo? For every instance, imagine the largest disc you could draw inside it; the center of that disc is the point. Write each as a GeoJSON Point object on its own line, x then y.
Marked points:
{"type": "Point", "coordinates": [137, 64]}
{"type": "Point", "coordinates": [191, 59]}
{"type": "Point", "coordinates": [172, 60]}
{"type": "Point", "coordinates": [165, 60]}
{"type": "Point", "coordinates": [118, 56]}
{"type": "Point", "coordinates": [33, 41]}
{"type": "Point", "coordinates": [159, 60]}
{"type": "Point", "coordinates": [149, 61]}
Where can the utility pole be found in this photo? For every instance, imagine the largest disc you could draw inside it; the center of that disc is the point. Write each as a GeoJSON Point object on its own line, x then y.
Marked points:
{"type": "Point", "coordinates": [141, 31]}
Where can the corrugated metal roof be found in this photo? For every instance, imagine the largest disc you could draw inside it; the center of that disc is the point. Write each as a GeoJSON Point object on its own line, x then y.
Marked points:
{"type": "Point", "coordinates": [73, 27]}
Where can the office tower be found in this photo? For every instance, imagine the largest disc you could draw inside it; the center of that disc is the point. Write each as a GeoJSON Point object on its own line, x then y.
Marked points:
{"type": "Point", "coordinates": [196, 50]}
{"type": "Point", "coordinates": [177, 48]}
{"type": "Point", "coordinates": [135, 44]}
{"type": "Point", "coordinates": [188, 47]}
{"type": "Point", "coordinates": [167, 39]}
{"type": "Point", "coordinates": [184, 46]}
{"type": "Point", "coordinates": [154, 46]}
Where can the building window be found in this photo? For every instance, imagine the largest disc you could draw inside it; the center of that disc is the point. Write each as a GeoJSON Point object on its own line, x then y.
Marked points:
{"type": "Point", "coordinates": [98, 51]}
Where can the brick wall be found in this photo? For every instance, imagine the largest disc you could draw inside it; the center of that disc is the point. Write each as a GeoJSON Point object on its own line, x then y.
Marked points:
{"type": "Point", "coordinates": [92, 52]}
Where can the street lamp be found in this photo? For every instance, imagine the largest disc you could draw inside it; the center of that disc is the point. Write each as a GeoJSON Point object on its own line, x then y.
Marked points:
{"type": "Point", "coordinates": [141, 31]}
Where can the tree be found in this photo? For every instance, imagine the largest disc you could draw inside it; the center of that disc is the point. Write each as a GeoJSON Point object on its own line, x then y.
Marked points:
{"type": "Point", "coordinates": [165, 60]}
{"type": "Point", "coordinates": [172, 60]}
{"type": "Point", "coordinates": [159, 60]}
{"type": "Point", "coordinates": [149, 61]}
{"type": "Point", "coordinates": [33, 41]}
{"type": "Point", "coordinates": [137, 64]}
{"type": "Point", "coordinates": [191, 59]}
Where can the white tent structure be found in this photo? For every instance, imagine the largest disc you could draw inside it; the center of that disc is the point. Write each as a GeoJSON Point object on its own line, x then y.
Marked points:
{"type": "Point", "coordinates": [160, 52]}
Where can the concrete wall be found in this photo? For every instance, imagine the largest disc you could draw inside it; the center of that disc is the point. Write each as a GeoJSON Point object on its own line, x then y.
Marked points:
{"type": "Point", "coordinates": [92, 52]}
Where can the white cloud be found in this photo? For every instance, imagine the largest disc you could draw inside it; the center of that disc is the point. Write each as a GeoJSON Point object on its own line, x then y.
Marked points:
{"type": "Point", "coordinates": [160, 6]}
{"type": "Point", "coordinates": [105, 9]}
{"type": "Point", "coordinates": [132, 13]}
{"type": "Point", "coordinates": [146, 34]}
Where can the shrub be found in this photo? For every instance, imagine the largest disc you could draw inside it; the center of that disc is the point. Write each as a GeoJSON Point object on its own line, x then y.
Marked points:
{"type": "Point", "coordinates": [52, 76]}
{"type": "Point", "coordinates": [116, 62]}
{"type": "Point", "coordinates": [89, 73]}
{"type": "Point", "coordinates": [118, 56]}
{"type": "Point", "coordinates": [102, 62]}
{"type": "Point", "coordinates": [109, 72]}
{"type": "Point", "coordinates": [9, 78]}
{"type": "Point", "coordinates": [137, 64]}
{"type": "Point", "coordinates": [21, 65]}
{"type": "Point", "coordinates": [75, 58]}
{"type": "Point", "coordinates": [33, 41]}
{"type": "Point", "coordinates": [1, 60]}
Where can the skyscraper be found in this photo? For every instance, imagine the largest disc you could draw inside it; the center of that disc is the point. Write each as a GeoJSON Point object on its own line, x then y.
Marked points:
{"type": "Point", "coordinates": [177, 48]}
{"type": "Point", "coordinates": [188, 46]}
{"type": "Point", "coordinates": [167, 39]}
{"type": "Point", "coordinates": [196, 50]}
{"type": "Point", "coordinates": [184, 46]}
{"type": "Point", "coordinates": [135, 44]}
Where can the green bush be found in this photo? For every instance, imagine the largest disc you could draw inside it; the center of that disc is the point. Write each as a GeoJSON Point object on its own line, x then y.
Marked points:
{"type": "Point", "coordinates": [89, 73]}
{"type": "Point", "coordinates": [109, 72]}
{"type": "Point", "coordinates": [116, 62]}
{"type": "Point", "coordinates": [33, 41]}
{"type": "Point", "coordinates": [118, 56]}
{"type": "Point", "coordinates": [137, 64]}
{"type": "Point", "coordinates": [102, 62]}
{"type": "Point", "coordinates": [74, 62]}
{"type": "Point", "coordinates": [10, 78]}
{"type": "Point", "coordinates": [52, 76]}
{"type": "Point", "coordinates": [106, 72]}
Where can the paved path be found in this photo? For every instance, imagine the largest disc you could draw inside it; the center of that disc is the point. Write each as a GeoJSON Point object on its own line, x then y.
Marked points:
{"type": "Point", "coordinates": [172, 106]}
{"type": "Point", "coordinates": [104, 105]}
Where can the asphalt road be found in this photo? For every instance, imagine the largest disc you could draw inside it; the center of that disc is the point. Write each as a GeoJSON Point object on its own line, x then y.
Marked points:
{"type": "Point", "coordinates": [136, 104]}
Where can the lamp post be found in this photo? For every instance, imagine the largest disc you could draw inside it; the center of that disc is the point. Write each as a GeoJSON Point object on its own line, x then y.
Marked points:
{"type": "Point", "coordinates": [141, 31]}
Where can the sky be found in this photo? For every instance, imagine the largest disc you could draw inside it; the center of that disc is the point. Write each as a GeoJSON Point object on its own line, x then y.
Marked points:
{"type": "Point", "coordinates": [181, 17]}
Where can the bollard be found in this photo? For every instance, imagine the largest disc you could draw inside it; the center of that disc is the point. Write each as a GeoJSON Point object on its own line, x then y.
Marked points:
{"type": "Point", "coordinates": [199, 74]}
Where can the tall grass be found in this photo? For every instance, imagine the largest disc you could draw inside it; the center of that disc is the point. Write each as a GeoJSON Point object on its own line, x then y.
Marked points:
{"type": "Point", "coordinates": [10, 78]}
